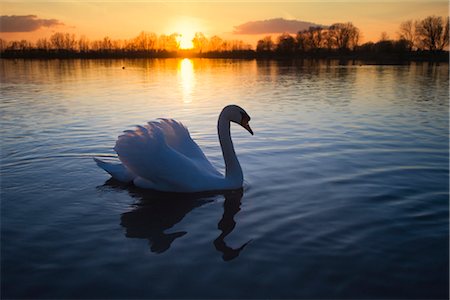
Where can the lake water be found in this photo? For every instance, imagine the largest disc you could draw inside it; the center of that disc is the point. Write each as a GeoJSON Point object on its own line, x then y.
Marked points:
{"type": "Point", "coordinates": [346, 181]}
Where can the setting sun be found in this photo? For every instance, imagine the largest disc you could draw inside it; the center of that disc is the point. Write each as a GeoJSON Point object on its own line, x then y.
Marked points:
{"type": "Point", "coordinates": [185, 41]}
{"type": "Point", "coordinates": [186, 27]}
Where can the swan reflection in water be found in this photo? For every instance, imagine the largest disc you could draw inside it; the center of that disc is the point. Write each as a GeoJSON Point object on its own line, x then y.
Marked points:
{"type": "Point", "coordinates": [156, 212]}
{"type": "Point", "coordinates": [231, 207]}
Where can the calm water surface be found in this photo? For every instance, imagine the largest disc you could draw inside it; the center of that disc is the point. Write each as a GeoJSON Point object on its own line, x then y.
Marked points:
{"type": "Point", "coordinates": [346, 181]}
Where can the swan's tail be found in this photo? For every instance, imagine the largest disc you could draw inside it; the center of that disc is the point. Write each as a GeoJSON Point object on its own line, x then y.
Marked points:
{"type": "Point", "coordinates": [117, 171]}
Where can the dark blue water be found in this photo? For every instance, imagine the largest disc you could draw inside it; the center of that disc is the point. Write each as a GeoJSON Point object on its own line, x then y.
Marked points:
{"type": "Point", "coordinates": [346, 181]}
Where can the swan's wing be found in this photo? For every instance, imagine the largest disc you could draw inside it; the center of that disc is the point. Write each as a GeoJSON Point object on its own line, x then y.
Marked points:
{"type": "Point", "coordinates": [160, 156]}
{"type": "Point", "coordinates": [177, 136]}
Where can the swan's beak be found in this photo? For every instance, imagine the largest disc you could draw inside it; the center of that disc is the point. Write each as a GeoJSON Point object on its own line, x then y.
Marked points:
{"type": "Point", "coordinates": [244, 122]}
{"type": "Point", "coordinates": [246, 126]}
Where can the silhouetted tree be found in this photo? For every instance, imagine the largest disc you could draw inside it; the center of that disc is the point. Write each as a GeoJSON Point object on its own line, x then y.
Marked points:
{"type": "Point", "coordinates": [3, 45]}
{"type": "Point", "coordinates": [215, 44]}
{"type": "Point", "coordinates": [286, 44]}
{"type": "Point", "coordinates": [63, 41]}
{"type": "Point", "coordinates": [106, 44]}
{"type": "Point", "coordinates": [402, 46]}
{"type": "Point", "coordinates": [43, 44]}
{"type": "Point", "coordinates": [172, 43]}
{"type": "Point", "coordinates": [21, 45]}
{"type": "Point", "coordinates": [384, 37]}
{"type": "Point", "coordinates": [301, 41]}
{"type": "Point", "coordinates": [344, 36]}
{"type": "Point", "coordinates": [83, 44]}
{"type": "Point", "coordinates": [168, 42]}
{"type": "Point", "coordinates": [315, 38]}
{"type": "Point", "coordinates": [70, 43]}
{"type": "Point", "coordinates": [329, 40]}
{"type": "Point", "coordinates": [238, 45]}
{"type": "Point", "coordinates": [384, 46]}
{"type": "Point", "coordinates": [366, 47]}
{"type": "Point", "coordinates": [145, 41]}
{"type": "Point", "coordinates": [408, 33]}
{"type": "Point", "coordinates": [57, 41]}
{"type": "Point", "coordinates": [311, 39]}
{"type": "Point", "coordinates": [200, 42]}
{"type": "Point", "coordinates": [432, 33]}
{"type": "Point", "coordinates": [265, 45]}
{"type": "Point", "coordinates": [95, 45]}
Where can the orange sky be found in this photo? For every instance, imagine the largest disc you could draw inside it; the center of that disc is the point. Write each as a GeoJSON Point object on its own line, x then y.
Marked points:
{"type": "Point", "coordinates": [125, 19]}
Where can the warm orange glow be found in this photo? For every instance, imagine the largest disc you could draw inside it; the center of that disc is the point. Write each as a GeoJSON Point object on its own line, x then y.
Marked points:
{"type": "Point", "coordinates": [125, 19]}
{"type": "Point", "coordinates": [187, 80]}
{"type": "Point", "coordinates": [186, 27]}
{"type": "Point", "coordinates": [185, 41]}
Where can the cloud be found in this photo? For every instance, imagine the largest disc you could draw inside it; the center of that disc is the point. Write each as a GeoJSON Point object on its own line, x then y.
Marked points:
{"type": "Point", "coordinates": [278, 25]}
{"type": "Point", "coordinates": [25, 23]}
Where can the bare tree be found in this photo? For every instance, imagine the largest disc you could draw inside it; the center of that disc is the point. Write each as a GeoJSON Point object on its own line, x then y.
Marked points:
{"type": "Point", "coordinates": [118, 45]}
{"type": "Point", "coordinates": [200, 42]}
{"type": "Point", "coordinates": [168, 42]}
{"type": "Point", "coordinates": [286, 43]}
{"type": "Point", "coordinates": [408, 33]}
{"type": "Point", "coordinates": [215, 43]}
{"type": "Point", "coordinates": [145, 41]}
{"type": "Point", "coordinates": [106, 44]}
{"type": "Point", "coordinates": [70, 42]}
{"type": "Point", "coordinates": [315, 37]}
{"type": "Point", "coordinates": [83, 44]}
{"type": "Point", "coordinates": [345, 36]}
{"type": "Point", "coordinates": [173, 43]}
{"type": "Point", "coordinates": [432, 33]}
{"type": "Point", "coordinates": [63, 41]}
{"type": "Point", "coordinates": [238, 45]}
{"type": "Point", "coordinates": [57, 41]}
{"type": "Point", "coordinates": [43, 44]}
{"type": "Point", "coordinates": [301, 41]}
{"type": "Point", "coordinates": [266, 44]}
{"type": "Point", "coordinates": [3, 45]}
{"type": "Point", "coordinates": [384, 37]}
{"type": "Point", "coordinates": [328, 39]}
{"type": "Point", "coordinates": [226, 45]}
{"type": "Point", "coordinates": [21, 45]}
{"type": "Point", "coordinates": [96, 45]}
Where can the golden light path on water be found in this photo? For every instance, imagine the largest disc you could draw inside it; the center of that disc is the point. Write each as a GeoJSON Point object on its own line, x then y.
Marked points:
{"type": "Point", "coordinates": [186, 78]}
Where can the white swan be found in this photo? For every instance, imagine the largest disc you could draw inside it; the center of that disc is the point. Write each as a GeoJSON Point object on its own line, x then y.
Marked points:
{"type": "Point", "coordinates": [162, 156]}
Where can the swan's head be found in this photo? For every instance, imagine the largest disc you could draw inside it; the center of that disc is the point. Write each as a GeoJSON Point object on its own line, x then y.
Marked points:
{"type": "Point", "coordinates": [237, 115]}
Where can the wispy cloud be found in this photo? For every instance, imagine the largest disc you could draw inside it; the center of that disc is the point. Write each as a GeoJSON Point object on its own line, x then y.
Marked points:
{"type": "Point", "coordinates": [277, 25]}
{"type": "Point", "coordinates": [25, 23]}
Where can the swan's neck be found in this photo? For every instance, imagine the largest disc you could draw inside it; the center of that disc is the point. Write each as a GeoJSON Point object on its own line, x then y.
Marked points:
{"type": "Point", "coordinates": [233, 171]}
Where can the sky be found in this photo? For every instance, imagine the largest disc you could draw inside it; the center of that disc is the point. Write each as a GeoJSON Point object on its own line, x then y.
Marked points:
{"type": "Point", "coordinates": [247, 21]}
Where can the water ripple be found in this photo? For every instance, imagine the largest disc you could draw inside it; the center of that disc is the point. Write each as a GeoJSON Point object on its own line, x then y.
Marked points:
{"type": "Point", "coordinates": [345, 195]}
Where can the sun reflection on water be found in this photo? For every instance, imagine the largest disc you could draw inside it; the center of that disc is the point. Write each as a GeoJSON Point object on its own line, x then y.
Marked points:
{"type": "Point", "coordinates": [187, 79]}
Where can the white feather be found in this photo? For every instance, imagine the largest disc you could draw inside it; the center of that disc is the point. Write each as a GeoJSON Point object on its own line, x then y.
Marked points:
{"type": "Point", "coordinates": [117, 171]}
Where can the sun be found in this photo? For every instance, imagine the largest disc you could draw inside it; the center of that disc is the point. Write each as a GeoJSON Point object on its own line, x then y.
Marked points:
{"type": "Point", "coordinates": [186, 27]}
{"type": "Point", "coordinates": [185, 40]}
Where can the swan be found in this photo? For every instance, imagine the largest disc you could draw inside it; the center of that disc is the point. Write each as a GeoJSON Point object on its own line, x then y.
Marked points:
{"type": "Point", "coordinates": [162, 156]}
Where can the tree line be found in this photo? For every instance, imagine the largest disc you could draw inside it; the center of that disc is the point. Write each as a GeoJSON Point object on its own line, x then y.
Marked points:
{"type": "Point", "coordinates": [426, 39]}
{"type": "Point", "coordinates": [146, 44]}
{"type": "Point", "coordinates": [427, 35]}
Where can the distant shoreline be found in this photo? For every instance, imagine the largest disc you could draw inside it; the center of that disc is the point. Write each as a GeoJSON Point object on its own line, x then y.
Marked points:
{"type": "Point", "coordinates": [367, 58]}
